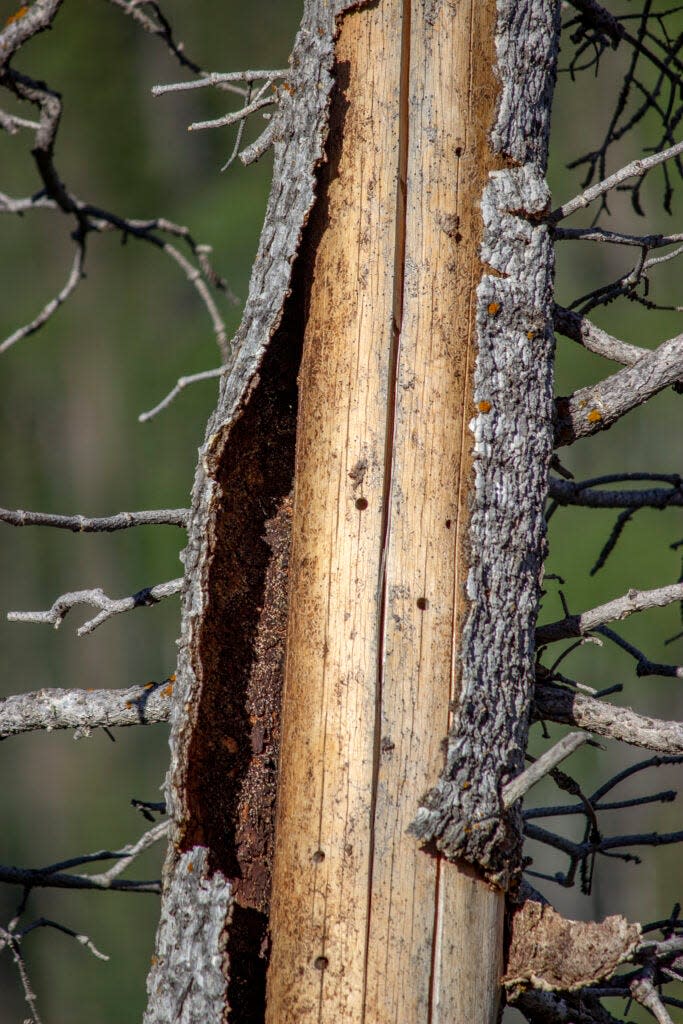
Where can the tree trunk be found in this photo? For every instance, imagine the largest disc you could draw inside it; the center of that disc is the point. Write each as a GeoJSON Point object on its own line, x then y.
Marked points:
{"type": "Point", "coordinates": [421, 297]}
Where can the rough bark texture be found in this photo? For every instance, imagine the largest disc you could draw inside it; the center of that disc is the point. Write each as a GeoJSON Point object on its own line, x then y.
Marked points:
{"type": "Point", "coordinates": [224, 732]}
{"type": "Point", "coordinates": [212, 943]}
{"type": "Point", "coordinates": [463, 814]}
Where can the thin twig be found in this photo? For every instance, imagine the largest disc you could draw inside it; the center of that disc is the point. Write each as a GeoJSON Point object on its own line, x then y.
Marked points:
{"type": "Point", "coordinates": [221, 78]}
{"type": "Point", "coordinates": [75, 276]}
{"type": "Point", "coordinates": [568, 492]}
{"type": "Point", "coordinates": [96, 598]}
{"type": "Point", "coordinates": [182, 383]}
{"type": "Point", "coordinates": [235, 116]}
{"type": "Point", "coordinates": [634, 169]}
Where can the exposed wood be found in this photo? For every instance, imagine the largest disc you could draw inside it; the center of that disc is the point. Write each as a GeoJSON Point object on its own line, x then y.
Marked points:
{"type": "Point", "coordinates": [366, 926]}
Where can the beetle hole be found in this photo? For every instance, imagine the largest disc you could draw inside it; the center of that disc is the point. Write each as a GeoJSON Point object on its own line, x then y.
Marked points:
{"type": "Point", "coordinates": [448, 524]}
{"type": "Point", "coordinates": [318, 857]}
{"type": "Point", "coordinates": [361, 504]}
{"type": "Point", "coordinates": [321, 963]}
{"type": "Point", "coordinates": [422, 603]}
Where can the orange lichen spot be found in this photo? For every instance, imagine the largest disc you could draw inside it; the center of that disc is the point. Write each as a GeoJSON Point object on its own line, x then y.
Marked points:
{"type": "Point", "coordinates": [467, 785]}
{"type": "Point", "coordinates": [583, 403]}
{"type": "Point", "coordinates": [594, 416]}
{"type": "Point", "coordinates": [171, 678]}
{"type": "Point", "coordinates": [230, 744]}
{"type": "Point", "coordinates": [493, 308]}
{"type": "Point", "coordinates": [167, 690]}
{"type": "Point", "coordinates": [190, 868]}
{"type": "Point", "coordinates": [484, 406]}
{"type": "Point", "coordinates": [17, 16]}
{"type": "Point", "coordinates": [531, 335]}
{"type": "Point", "coordinates": [149, 686]}
{"type": "Point", "coordinates": [129, 704]}
{"type": "Point", "coordinates": [90, 689]}
{"type": "Point", "coordinates": [154, 959]}
{"type": "Point", "coordinates": [287, 86]}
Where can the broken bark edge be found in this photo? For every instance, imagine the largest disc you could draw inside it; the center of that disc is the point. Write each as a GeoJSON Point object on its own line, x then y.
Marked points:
{"type": "Point", "coordinates": [552, 953]}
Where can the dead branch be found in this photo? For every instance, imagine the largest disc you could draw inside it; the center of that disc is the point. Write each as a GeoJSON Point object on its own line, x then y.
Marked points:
{"type": "Point", "coordinates": [84, 710]}
{"type": "Point", "coordinates": [20, 206]}
{"type": "Point", "coordinates": [542, 766]}
{"type": "Point", "coordinates": [552, 1008]}
{"type": "Point", "coordinates": [46, 922]}
{"type": "Point", "coordinates": [18, 30]}
{"type": "Point", "coordinates": [11, 124]}
{"type": "Point", "coordinates": [613, 611]}
{"type": "Point", "coordinates": [55, 876]}
{"type": "Point", "coordinates": [595, 408]}
{"type": "Point", "coordinates": [98, 599]}
{"type": "Point", "coordinates": [104, 524]}
{"type": "Point", "coordinates": [9, 940]}
{"type": "Point", "coordinates": [75, 275]}
{"type": "Point", "coordinates": [159, 27]}
{"type": "Point", "coordinates": [214, 78]}
{"type": "Point", "coordinates": [635, 169]}
{"type": "Point", "coordinates": [555, 704]}
{"type": "Point", "coordinates": [569, 492]}
{"type": "Point", "coordinates": [181, 384]}
{"type": "Point", "coordinates": [600, 18]}
{"type": "Point", "coordinates": [595, 234]}
{"type": "Point", "coordinates": [235, 116]}
{"type": "Point", "coordinates": [644, 667]}
{"type": "Point", "coordinates": [594, 339]}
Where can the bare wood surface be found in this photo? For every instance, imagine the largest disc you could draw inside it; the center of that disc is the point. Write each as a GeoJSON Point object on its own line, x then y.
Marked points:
{"type": "Point", "coordinates": [366, 925]}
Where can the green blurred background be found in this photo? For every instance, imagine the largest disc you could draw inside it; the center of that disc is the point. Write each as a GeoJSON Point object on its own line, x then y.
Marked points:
{"type": "Point", "coordinates": [70, 399]}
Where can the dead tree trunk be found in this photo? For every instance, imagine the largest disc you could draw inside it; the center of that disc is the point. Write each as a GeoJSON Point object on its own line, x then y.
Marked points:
{"type": "Point", "coordinates": [405, 278]}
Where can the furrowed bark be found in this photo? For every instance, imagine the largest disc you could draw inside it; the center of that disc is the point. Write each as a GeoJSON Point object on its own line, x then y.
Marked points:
{"type": "Point", "coordinates": [411, 345]}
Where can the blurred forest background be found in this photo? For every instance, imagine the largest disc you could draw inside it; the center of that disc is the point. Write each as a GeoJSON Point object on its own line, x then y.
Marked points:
{"type": "Point", "coordinates": [71, 395]}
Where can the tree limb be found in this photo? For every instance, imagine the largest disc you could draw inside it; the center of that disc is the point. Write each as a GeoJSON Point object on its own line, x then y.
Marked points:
{"type": "Point", "coordinates": [595, 408]}
{"type": "Point", "coordinates": [103, 524]}
{"type": "Point", "coordinates": [620, 608]}
{"type": "Point", "coordinates": [522, 783]}
{"type": "Point", "coordinates": [568, 492]}
{"type": "Point", "coordinates": [98, 599]}
{"type": "Point", "coordinates": [594, 339]}
{"type": "Point", "coordinates": [632, 170]}
{"type": "Point", "coordinates": [83, 710]}
{"type": "Point", "coordinates": [615, 723]}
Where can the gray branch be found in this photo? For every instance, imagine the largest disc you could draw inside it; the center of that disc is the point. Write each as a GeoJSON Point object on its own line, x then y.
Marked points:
{"type": "Point", "coordinates": [615, 723]}
{"type": "Point", "coordinates": [613, 611]}
{"type": "Point", "coordinates": [633, 170]}
{"type": "Point", "coordinates": [520, 785]}
{"type": "Point", "coordinates": [597, 407]}
{"type": "Point", "coordinates": [594, 339]}
{"type": "Point", "coordinates": [83, 710]}
{"type": "Point", "coordinates": [103, 524]}
{"type": "Point", "coordinates": [98, 599]}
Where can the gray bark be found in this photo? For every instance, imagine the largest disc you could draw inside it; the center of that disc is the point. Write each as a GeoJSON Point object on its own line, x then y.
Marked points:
{"type": "Point", "coordinates": [464, 813]}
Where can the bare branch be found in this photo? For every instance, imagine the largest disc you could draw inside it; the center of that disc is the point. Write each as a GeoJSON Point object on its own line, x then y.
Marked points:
{"type": "Point", "coordinates": [83, 710]}
{"type": "Point", "coordinates": [105, 524]}
{"type": "Point", "coordinates": [520, 785]}
{"type": "Point", "coordinates": [595, 234]}
{"type": "Point", "coordinates": [235, 116]}
{"type": "Point", "coordinates": [580, 329]}
{"type": "Point", "coordinates": [20, 206]}
{"type": "Point", "coordinates": [20, 29]}
{"type": "Point", "coordinates": [613, 611]}
{"type": "Point", "coordinates": [597, 407]}
{"type": "Point", "coordinates": [75, 275]}
{"type": "Point", "coordinates": [260, 145]}
{"type": "Point", "coordinates": [11, 124]}
{"type": "Point", "coordinates": [182, 383]}
{"type": "Point", "coordinates": [615, 723]}
{"type": "Point", "coordinates": [196, 280]}
{"type": "Point", "coordinates": [46, 922]}
{"type": "Point", "coordinates": [600, 18]}
{"type": "Point", "coordinates": [215, 78]}
{"type": "Point", "coordinates": [11, 941]}
{"type": "Point", "coordinates": [98, 599]}
{"type": "Point", "coordinates": [634, 169]}
{"type": "Point", "coordinates": [644, 992]}
{"type": "Point", "coordinates": [644, 667]}
{"type": "Point", "coordinates": [160, 28]}
{"type": "Point", "coordinates": [55, 877]}
{"type": "Point", "coordinates": [568, 492]}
